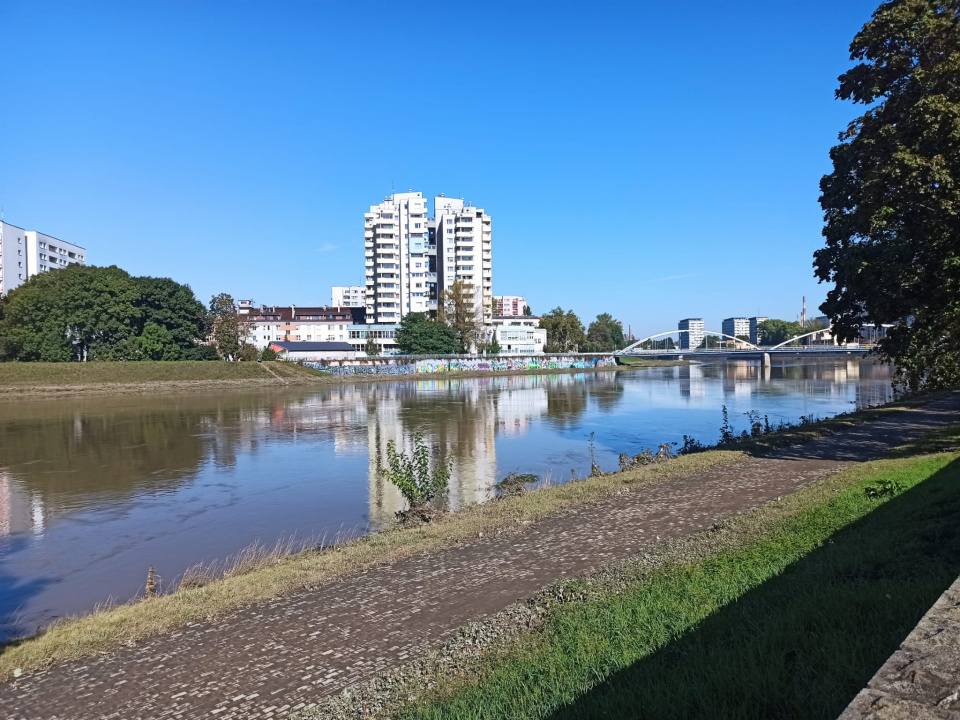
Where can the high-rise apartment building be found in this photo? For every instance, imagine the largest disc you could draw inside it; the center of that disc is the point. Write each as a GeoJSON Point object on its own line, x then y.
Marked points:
{"type": "Point", "coordinates": [350, 296]}
{"type": "Point", "coordinates": [25, 253]}
{"type": "Point", "coordinates": [512, 305]}
{"type": "Point", "coordinates": [692, 331]}
{"type": "Point", "coordinates": [736, 327]}
{"type": "Point", "coordinates": [755, 329]}
{"type": "Point", "coordinates": [462, 236]}
{"type": "Point", "coordinates": [396, 258]}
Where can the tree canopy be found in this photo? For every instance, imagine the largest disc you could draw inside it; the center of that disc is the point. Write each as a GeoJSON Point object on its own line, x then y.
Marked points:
{"type": "Point", "coordinates": [87, 312]}
{"type": "Point", "coordinates": [419, 335]}
{"type": "Point", "coordinates": [892, 203]}
{"type": "Point", "coordinates": [564, 331]}
{"type": "Point", "coordinates": [458, 308]}
{"type": "Point", "coordinates": [604, 334]}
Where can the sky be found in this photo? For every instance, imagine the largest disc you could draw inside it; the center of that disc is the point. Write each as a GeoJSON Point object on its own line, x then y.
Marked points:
{"type": "Point", "coordinates": [652, 160]}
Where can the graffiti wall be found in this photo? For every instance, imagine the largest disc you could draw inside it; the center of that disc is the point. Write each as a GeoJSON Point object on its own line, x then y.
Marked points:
{"type": "Point", "coordinates": [407, 366]}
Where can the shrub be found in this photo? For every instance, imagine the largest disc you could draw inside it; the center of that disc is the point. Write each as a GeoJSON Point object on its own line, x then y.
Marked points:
{"type": "Point", "coordinates": [201, 352]}
{"type": "Point", "coordinates": [421, 484]}
{"type": "Point", "coordinates": [268, 354]}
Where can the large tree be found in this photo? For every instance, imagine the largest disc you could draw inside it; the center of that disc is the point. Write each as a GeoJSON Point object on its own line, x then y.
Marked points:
{"type": "Point", "coordinates": [173, 307]}
{"type": "Point", "coordinates": [564, 331]}
{"type": "Point", "coordinates": [420, 335]}
{"type": "Point", "coordinates": [892, 202]}
{"type": "Point", "coordinates": [227, 329]}
{"type": "Point", "coordinates": [458, 307]}
{"type": "Point", "coordinates": [605, 334]}
{"type": "Point", "coordinates": [80, 312]}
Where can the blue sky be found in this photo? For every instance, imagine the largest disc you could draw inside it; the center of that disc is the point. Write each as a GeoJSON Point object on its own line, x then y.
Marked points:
{"type": "Point", "coordinates": [653, 160]}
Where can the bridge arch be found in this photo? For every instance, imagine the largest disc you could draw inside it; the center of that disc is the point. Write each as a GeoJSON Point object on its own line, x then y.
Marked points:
{"type": "Point", "coordinates": [798, 337]}
{"type": "Point", "coordinates": [675, 332]}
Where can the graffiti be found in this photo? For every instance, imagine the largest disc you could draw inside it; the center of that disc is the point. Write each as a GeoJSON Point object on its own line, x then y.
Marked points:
{"type": "Point", "coordinates": [438, 366]}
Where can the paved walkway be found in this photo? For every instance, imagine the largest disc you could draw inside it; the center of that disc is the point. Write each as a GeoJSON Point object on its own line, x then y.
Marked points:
{"type": "Point", "coordinates": [269, 660]}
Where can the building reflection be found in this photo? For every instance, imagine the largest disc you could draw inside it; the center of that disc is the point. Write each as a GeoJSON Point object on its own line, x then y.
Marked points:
{"type": "Point", "coordinates": [88, 453]}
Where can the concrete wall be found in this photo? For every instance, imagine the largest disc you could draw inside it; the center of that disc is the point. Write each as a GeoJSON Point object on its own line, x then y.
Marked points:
{"type": "Point", "coordinates": [419, 366]}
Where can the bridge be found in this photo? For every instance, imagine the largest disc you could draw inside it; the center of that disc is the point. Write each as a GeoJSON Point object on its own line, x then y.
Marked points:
{"type": "Point", "coordinates": [741, 347]}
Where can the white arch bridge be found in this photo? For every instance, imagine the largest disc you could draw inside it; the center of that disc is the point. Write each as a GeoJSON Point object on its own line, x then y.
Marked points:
{"type": "Point", "coordinates": [739, 345]}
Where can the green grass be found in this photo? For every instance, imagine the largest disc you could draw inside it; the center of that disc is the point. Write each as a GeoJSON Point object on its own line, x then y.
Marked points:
{"type": "Point", "coordinates": [110, 373]}
{"type": "Point", "coordinates": [790, 623]}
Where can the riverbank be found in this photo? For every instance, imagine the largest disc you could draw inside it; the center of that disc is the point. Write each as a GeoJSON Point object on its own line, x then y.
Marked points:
{"type": "Point", "coordinates": [123, 625]}
{"type": "Point", "coordinates": [785, 611]}
{"type": "Point", "coordinates": [19, 380]}
{"type": "Point", "coordinates": [284, 654]}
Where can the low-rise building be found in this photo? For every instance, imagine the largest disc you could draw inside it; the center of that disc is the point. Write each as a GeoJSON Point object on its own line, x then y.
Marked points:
{"type": "Point", "coordinates": [510, 305]}
{"type": "Point", "coordinates": [25, 253]}
{"type": "Point", "coordinates": [290, 323]}
{"type": "Point", "coordinates": [383, 335]}
{"type": "Point", "coordinates": [519, 335]}
{"type": "Point", "coordinates": [313, 351]}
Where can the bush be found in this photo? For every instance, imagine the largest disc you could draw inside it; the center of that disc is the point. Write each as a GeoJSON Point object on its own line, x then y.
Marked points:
{"type": "Point", "coordinates": [420, 484]}
{"type": "Point", "coordinates": [201, 352]}
{"type": "Point", "coordinates": [268, 354]}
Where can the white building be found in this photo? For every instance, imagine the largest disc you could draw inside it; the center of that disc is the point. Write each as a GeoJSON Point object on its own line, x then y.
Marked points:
{"type": "Point", "coordinates": [736, 327]}
{"type": "Point", "coordinates": [692, 331]}
{"type": "Point", "coordinates": [462, 236]}
{"type": "Point", "coordinates": [396, 258]}
{"type": "Point", "coordinates": [25, 253]}
{"type": "Point", "coordinates": [519, 335]}
{"type": "Point", "coordinates": [290, 323]}
{"type": "Point", "coordinates": [755, 329]}
{"type": "Point", "coordinates": [349, 296]}
{"type": "Point", "coordinates": [510, 304]}
{"type": "Point", "coordinates": [385, 336]}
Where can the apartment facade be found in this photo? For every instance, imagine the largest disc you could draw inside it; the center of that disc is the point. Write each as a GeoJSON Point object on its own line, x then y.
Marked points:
{"type": "Point", "coordinates": [461, 238]}
{"type": "Point", "coordinates": [25, 253]}
{"type": "Point", "coordinates": [510, 305]}
{"type": "Point", "coordinates": [348, 296]}
{"type": "Point", "coordinates": [396, 258]}
{"type": "Point", "coordinates": [290, 323]}
{"type": "Point", "coordinates": [519, 335]}
{"type": "Point", "coordinates": [692, 331]}
{"type": "Point", "coordinates": [755, 329]}
{"type": "Point", "coordinates": [736, 327]}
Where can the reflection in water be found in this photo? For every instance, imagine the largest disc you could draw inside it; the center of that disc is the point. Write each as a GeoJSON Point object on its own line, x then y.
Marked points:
{"type": "Point", "coordinates": [94, 490]}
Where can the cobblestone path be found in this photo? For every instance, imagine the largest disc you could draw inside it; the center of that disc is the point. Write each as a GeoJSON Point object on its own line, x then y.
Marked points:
{"type": "Point", "coordinates": [272, 659]}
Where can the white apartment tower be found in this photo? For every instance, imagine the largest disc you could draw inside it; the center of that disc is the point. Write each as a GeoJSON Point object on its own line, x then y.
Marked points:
{"type": "Point", "coordinates": [25, 253]}
{"type": "Point", "coordinates": [462, 235]}
{"type": "Point", "coordinates": [395, 250]}
{"type": "Point", "coordinates": [692, 331]}
{"type": "Point", "coordinates": [349, 296]}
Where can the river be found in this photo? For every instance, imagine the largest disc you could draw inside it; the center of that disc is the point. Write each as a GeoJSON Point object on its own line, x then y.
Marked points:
{"type": "Point", "coordinates": [93, 490]}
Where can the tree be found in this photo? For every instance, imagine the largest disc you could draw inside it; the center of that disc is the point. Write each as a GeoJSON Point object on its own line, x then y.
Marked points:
{"type": "Point", "coordinates": [527, 311]}
{"type": "Point", "coordinates": [248, 352]}
{"type": "Point", "coordinates": [80, 312]}
{"type": "Point", "coordinates": [174, 307]}
{"type": "Point", "coordinates": [226, 326]}
{"type": "Point", "coordinates": [268, 354]}
{"type": "Point", "coordinates": [774, 332]}
{"type": "Point", "coordinates": [461, 312]}
{"type": "Point", "coordinates": [564, 331]}
{"type": "Point", "coordinates": [157, 343]}
{"type": "Point", "coordinates": [419, 335]}
{"type": "Point", "coordinates": [605, 334]}
{"type": "Point", "coordinates": [494, 348]}
{"type": "Point", "coordinates": [372, 348]}
{"type": "Point", "coordinates": [892, 238]}
{"type": "Point", "coordinates": [201, 352]}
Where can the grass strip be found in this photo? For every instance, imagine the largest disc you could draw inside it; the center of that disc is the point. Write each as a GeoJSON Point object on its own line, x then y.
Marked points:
{"type": "Point", "coordinates": [96, 373]}
{"type": "Point", "coordinates": [789, 620]}
{"type": "Point", "coordinates": [121, 625]}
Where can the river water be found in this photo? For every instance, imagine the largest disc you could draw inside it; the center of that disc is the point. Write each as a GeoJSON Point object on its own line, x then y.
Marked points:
{"type": "Point", "coordinates": [93, 490]}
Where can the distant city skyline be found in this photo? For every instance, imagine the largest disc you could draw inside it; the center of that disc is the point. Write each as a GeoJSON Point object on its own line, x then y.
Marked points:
{"type": "Point", "coordinates": [628, 173]}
